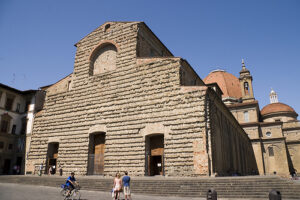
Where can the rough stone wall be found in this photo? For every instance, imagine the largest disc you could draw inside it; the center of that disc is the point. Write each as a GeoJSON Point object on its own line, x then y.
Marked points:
{"type": "Point", "coordinates": [231, 148]}
{"type": "Point", "coordinates": [148, 45]}
{"type": "Point", "coordinates": [291, 131]}
{"type": "Point", "coordinates": [278, 162]}
{"type": "Point", "coordinates": [188, 77]}
{"type": "Point", "coordinates": [124, 103]}
{"type": "Point", "coordinates": [61, 86]}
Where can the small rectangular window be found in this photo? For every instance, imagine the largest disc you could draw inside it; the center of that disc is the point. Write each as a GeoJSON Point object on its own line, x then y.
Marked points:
{"type": "Point", "coordinates": [1, 145]}
{"type": "Point", "coordinates": [18, 107]}
{"type": "Point", "coordinates": [13, 130]}
{"type": "Point", "coordinates": [4, 126]}
{"type": "Point", "coordinates": [24, 126]}
{"type": "Point", "coordinates": [69, 85]}
{"type": "Point", "coordinates": [10, 146]}
{"type": "Point", "coordinates": [27, 106]}
{"type": "Point", "coordinates": [9, 103]}
{"type": "Point", "coordinates": [246, 116]}
{"type": "Point", "coordinates": [271, 151]}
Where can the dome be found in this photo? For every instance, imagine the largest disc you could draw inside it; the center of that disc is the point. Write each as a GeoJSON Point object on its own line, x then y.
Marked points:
{"type": "Point", "coordinates": [228, 83]}
{"type": "Point", "coordinates": [277, 108]}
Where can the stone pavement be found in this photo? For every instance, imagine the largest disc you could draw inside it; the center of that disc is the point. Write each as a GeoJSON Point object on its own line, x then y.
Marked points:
{"type": "Point", "coordinates": [12, 191]}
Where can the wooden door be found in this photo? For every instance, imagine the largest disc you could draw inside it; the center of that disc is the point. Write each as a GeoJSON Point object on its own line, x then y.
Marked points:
{"type": "Point", "coordinates": [99, 159]}
{"type": "Point", "coordinates": [149, 165]}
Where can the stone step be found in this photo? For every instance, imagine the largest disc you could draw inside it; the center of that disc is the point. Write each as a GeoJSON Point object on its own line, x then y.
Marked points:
{"type": "Point", "coordinates": [226, 187]}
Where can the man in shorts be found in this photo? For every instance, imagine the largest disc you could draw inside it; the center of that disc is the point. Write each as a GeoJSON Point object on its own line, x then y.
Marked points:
{"type": "Point", "coordinates": [70, 183]}
{"type": "Point", "coordinates": [126, 184]}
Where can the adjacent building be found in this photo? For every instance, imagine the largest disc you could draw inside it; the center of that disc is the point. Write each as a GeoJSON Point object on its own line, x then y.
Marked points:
{"type": "Point", "coordinates": [16, 119]}
{"type": "Point", "coordinates": [274, 130]}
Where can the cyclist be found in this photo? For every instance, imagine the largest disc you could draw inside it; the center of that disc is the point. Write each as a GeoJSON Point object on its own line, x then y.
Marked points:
{"type": "Point", "coordinates": [70, 183]}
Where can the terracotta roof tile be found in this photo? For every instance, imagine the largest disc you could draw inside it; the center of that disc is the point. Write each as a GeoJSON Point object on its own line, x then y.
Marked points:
{"type": "Point", "coordinates": [229, 84]}
{"type": "Point", "coordinates": [276, 108]}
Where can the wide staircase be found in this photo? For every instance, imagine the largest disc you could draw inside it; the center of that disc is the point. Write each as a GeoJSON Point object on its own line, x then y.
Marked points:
{"type": "Point", "coordinates": [249, 187]}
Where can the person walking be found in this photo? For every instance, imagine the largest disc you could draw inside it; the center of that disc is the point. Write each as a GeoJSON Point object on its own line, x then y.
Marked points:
{"type": "Point", "coordinates": [41, 169]}
{"type": "Point", "coordinates": [15, 169]}
{"type": "Point", "coordinates": [60, 170]}
{"type": "Point", "coordinates": [126, 184]}
{"type": "Point", "coordinates": [53, 169]}
{"type": "Point", "coordinates": [50, 170]}
{"type": "Point", "coordinates": [117, 186]}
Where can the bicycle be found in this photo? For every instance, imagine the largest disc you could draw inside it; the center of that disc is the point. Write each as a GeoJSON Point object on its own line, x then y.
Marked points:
{"type": "Point", "coordinates": [74, 195]}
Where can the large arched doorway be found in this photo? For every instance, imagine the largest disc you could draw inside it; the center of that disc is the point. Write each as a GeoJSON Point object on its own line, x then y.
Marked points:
{"type": "Point", "coordinates": [155, 155]}
{"type": "Point", "coordinates": [52, 156]}
{"type": "Point", "coordinates": [96, 153]}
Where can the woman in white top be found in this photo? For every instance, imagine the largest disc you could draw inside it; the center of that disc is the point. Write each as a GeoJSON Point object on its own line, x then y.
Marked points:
{"type": "Point", "coordinates": [117, 185]}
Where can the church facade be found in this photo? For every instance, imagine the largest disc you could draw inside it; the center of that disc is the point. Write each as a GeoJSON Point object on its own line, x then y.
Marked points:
{"type": "Point", "coordinates": [274, 130]}
{"type": "Point", "coordinates": [131, 105]}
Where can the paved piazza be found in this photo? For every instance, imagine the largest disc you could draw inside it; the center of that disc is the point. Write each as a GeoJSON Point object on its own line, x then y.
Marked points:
{"type": "Point", "coordinates": [11, 191]}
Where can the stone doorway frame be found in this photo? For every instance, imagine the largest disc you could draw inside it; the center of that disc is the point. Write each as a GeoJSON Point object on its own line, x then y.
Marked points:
{"type": "Point", "coordinates": [154, 145]}
{"type": "Point", "coordinates": [152, 130]}
{"type": "Point", "coordinates": [94, 131]}
{"type": "Point", "coordinates": [52, 156]}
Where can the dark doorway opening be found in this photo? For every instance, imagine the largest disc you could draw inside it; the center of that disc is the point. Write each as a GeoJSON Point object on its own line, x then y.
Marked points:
{"type": "Point", "coordinates": [96, 154]}
{"type": "Point", "coordinates": [6, 167]}
{"type": "Point", "coordinates": [52, 157]}
{"type": "Point", "coordinates": [155, 155]}
{"type": "Point", "coordinates": [19, 165]}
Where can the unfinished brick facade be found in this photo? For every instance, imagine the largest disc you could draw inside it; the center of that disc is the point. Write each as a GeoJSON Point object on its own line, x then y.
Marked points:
{"type": "Point", "coordinates": [135, 107]}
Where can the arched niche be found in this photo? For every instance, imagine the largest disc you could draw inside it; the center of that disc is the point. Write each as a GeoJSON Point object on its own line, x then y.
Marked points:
{"type": "Point", "coordinates": [103, 58]}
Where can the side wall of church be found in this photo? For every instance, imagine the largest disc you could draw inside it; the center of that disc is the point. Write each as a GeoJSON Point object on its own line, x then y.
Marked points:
{"type": "Point", "coordinates": [229, 142]}
{"type": "Point", "coordinates": [291, 130]}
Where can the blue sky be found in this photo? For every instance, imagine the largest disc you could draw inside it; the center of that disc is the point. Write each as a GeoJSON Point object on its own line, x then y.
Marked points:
{"type": "Point", "coordinates": [37, 38]}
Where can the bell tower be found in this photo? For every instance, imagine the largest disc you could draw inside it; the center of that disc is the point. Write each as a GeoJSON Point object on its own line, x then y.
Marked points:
{"type": "Point", "coordinates": [246, 84]}
{"type": "Point", "coordinates": [273, 97]}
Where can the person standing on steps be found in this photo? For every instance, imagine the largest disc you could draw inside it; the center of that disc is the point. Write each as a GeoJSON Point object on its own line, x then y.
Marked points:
{"type": "Point", "coordinates": [117, 186]}
{"type": "Point", "coordinates": [126, 184]}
